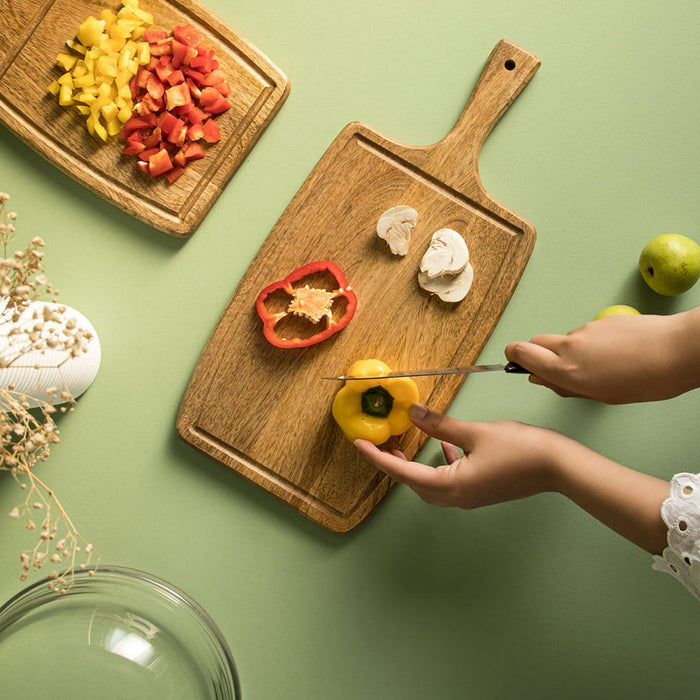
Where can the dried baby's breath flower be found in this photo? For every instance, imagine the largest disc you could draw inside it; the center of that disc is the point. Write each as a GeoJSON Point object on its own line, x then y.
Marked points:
{"type": "Point", "coordinates": [28, 431]}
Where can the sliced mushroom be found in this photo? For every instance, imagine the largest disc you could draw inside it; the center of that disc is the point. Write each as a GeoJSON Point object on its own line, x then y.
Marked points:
{"type": "Point", "coordinates": [447, 254]}
{"type": "Point", "coordinates": [452, 288]}
{"type": "Point", "coordinates": [395, 226]}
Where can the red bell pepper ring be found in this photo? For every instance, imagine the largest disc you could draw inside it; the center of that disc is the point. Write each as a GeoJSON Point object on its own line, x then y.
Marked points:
{"type": "Point", "coordinates": [313, 304]}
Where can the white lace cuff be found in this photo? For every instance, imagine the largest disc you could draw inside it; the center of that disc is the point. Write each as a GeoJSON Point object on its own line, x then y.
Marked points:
{"type": "Point", "coordinates": [681, 513]}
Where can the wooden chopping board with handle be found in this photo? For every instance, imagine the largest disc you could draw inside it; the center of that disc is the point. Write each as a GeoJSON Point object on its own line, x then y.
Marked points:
{"type": "Point", "coordinates": [265, 411]}
{"type": "Point", "coordinates": [33, 32]}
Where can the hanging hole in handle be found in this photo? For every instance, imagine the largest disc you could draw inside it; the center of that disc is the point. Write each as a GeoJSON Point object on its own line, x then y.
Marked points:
{"type": "Point", "coordinates": [509, 64]}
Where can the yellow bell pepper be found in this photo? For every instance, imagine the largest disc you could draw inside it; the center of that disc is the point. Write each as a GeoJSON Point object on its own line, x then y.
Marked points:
{"type": "Point", "coordinates": [374, 409]}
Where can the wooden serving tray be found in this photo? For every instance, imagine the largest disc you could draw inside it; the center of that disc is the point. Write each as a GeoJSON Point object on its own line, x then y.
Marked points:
{"type": "Point", "coordinates": [34, 31]}
{"type": "Point", "coordinates": [264, 411]}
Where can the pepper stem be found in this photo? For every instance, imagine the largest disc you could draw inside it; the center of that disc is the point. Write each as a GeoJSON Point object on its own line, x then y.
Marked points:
{"type": "Point", "coordinates": [377, 402]}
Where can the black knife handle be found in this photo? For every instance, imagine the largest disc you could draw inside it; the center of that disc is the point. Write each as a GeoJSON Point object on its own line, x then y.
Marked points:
{"type": "Point", "coordinates": [515, 368]}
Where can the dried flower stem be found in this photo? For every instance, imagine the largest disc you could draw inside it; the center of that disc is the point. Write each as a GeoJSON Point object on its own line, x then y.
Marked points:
{"type": "Point", "coordinates": [27, 428]}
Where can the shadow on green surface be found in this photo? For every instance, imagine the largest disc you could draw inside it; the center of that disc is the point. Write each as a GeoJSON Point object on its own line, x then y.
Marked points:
{"type": "Point", "coordinates": [635, 292]}
{"type": "Point", "coordinates": [84, 200]}
{"type": "Point", "coordinates": [273, 507]}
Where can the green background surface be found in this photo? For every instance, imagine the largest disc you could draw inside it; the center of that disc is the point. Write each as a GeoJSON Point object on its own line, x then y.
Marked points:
{"type": "Point", "coordinates": [532, 599]}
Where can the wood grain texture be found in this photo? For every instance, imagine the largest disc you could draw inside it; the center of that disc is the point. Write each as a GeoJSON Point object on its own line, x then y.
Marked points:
{"type": "Point", "coordinates": [34, 32]}
{"type": "Point", "coordinates": [265, 411]}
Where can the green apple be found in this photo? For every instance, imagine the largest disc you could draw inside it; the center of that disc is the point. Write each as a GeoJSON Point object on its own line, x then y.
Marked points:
{"type": "Point", "coordinates": [670, 263]}
{"type": "Point", "coordinates": [616, 310]}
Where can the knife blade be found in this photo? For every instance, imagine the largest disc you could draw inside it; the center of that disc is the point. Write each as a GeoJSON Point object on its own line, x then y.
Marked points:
{"type": "Point", "coordinates": [509, 368]}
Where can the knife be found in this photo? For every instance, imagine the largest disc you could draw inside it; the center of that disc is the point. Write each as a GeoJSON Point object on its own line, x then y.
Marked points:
{"type": "Point", "coordinates": [510, 368]}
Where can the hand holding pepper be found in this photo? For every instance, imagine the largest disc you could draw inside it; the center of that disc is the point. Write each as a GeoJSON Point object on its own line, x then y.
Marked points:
{"type": "Point", "coordinates": [502, 461]}
{"type": "Point", "coordinates": [506, 460]}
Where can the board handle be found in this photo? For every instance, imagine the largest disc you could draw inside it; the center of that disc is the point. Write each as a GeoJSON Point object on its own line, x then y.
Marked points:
{"type": "Point", "coordinates": [508, 70]}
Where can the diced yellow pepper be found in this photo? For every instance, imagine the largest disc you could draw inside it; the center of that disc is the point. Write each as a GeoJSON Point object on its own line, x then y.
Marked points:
{"type": "Point", "coordinates": [84, 81]}
{"type": "Point", "coordinates": [109, 111]}
{"type": "Point", "coordinates": [143, 54]}
{"type": "Point", "coordinates": [90, 89]}
{"type": "Point", "coordinates": [108, 17]}
{"type": "Point", "coordinates": [90, 30]}
{"type": "Point", "coordinates": [125, 92]}
{"type": "Point", "coordinates": [118, 32]}
{"type": "Point", "coordinates": [66, 61]}
{"type": "Point", "coordinates": [100, 130]}
{"type": "Point", "coordinates": [65, 95]}
{"type": "Point", "coordinates": [107, 66]}
{"type": "Point", "coordinates": [97, 80]}
{"type": "Point", "coordinates": [114, 44]}
{"type": "Point", "coordinates": [76, 46]}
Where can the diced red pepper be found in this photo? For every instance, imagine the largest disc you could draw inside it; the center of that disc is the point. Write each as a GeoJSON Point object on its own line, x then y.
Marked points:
{"type": "Point", "coordinates": [149, 104]}
{"type": "Point", "coordinates": [177, 76]}
{"type": "Point", "coordinates": [174, 174]}
{"type": "Point", "coordinates": [159, 163]}
{"type": "Point", "coordinates": [194, 152]}
{"type": "Point", "coordinates": [154, 35]}
{"type": "Point", "coordinates": [141, 78]}
{"type": "Point", "coordinates": [187, 34]}
{"type": "Point", "coordinates": [164, 70]}
{"type": "Point", "coordinates": [155, 87]}
{"type": "Point", "coordinates": [162, 47]}
{"type": "Point", "coordinates": [197, 115]}
{"type": "Point", "coordinates": [135, 123]}
{"type": "Point", "coordinates": [177, 95]}
{"type": "Point", "coordinates": [167, 121]}
{"type": "Point", "coordinates": [194, 88]}
{"type": "Point", "coordinates": [212, 101]}
{"type": "Point", "coordinates": [182, 54]}
{"type": "Point", "coordinates": [195, 132]}
{"type": "Point", "coordinates": [210, 131]}
{"type": "Point", "coordinates": [293, 284]}
{"type": "Point", "coordinates": [203, 60]}
{"type": "Point", "coordinates": [194, 74]}
{"type": "Point", "coordinates": [179, 158]}
{"type": "Point", "coordinates": [178, 134]}
{"type": "Point", "coordinates": [153, 138]}
{"type": "Point", "coordinates": [133, 147]}
{"type": "Point", "coordinates": [213, 78]}
{"type": "Point", "coordinates": [148, 152]}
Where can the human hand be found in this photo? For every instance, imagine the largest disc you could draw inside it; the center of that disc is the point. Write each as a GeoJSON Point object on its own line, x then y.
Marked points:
{"type": "Point", "coordinates": [502, 461]}
{"type": "Point", "coordinates": [617, 359]}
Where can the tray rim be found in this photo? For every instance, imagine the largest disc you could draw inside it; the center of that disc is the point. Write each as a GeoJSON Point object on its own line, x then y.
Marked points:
{"type": "Point", "coordinates": [209, 187]}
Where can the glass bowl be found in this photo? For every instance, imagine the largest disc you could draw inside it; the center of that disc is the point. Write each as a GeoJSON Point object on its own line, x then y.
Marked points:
{"type": "Point", "coordinates": [120, 633]}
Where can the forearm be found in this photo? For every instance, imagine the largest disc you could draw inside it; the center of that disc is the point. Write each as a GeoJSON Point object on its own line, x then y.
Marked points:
{"type": "Point", "coordinates": [627, 501]}
{"type": "Point", "coordinates": [688, 351]}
